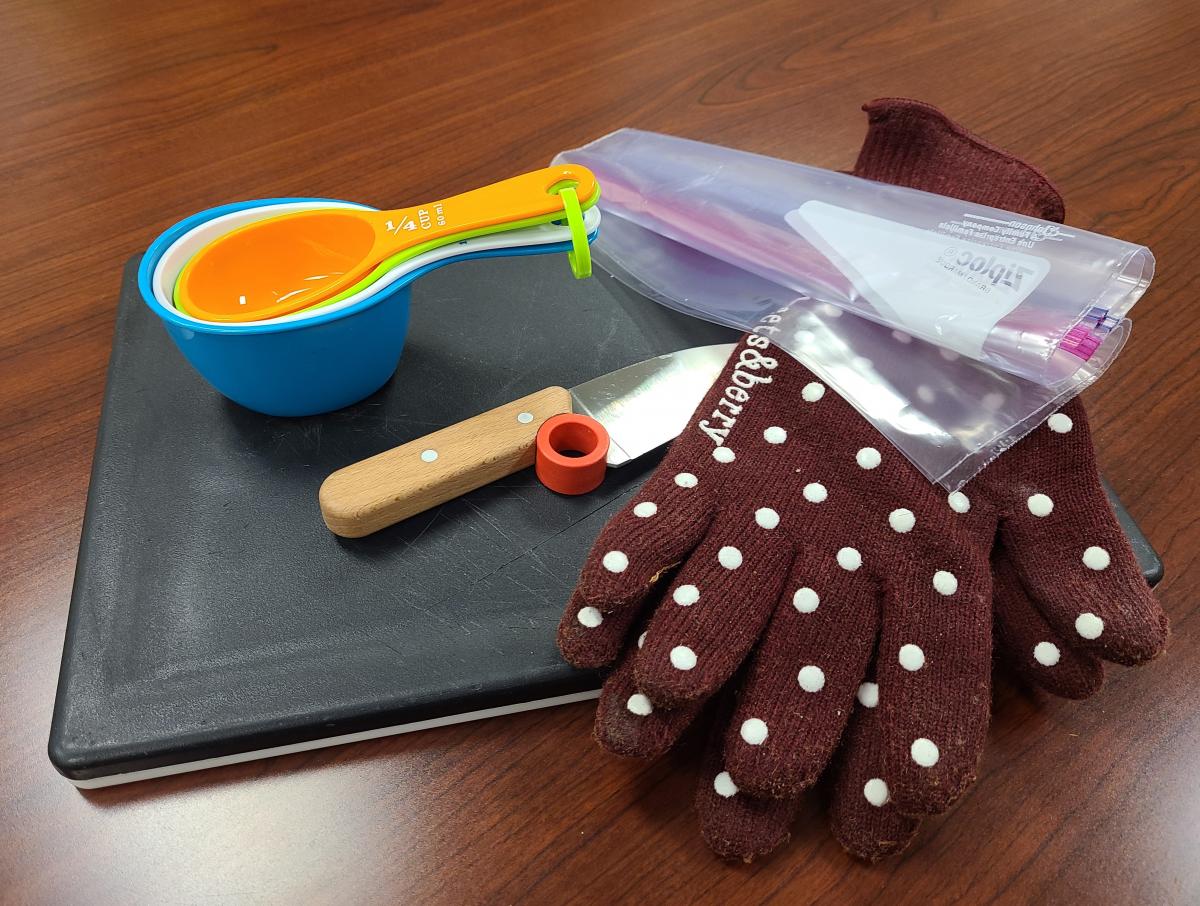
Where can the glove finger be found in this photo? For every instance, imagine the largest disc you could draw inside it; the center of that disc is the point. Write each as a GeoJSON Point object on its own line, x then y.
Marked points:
{"type": "Point", "coordinates": [951, 160]}
{"type": "Point", "coordinates": [1027, 643]}
{"type": "Point", "coordinates": [664, 520]}
{"type": "Point", "coordinates": [1070, 552]}
{"type": "Point", "coordinates": [862, 816]}
{"type": "Point", "coordinates": [716, 608]}
{"type": "Point", "coordinates": [734, 824]}
{"type": "Point", "coordinates": [588, 638]}
{"type": "Point", "coordinates": [628, 724]}
{"type": "Point", "coordinates": [934, 669]}
{"type": "Point", "coordinates": [801, 684]}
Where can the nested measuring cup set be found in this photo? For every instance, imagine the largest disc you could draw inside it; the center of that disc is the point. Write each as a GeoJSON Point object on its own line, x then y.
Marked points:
{"type": "Point", "coordinates": [298, 306]}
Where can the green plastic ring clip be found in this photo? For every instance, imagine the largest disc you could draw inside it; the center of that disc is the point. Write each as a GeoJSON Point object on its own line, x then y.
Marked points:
{"type": "Point", "coordinates": [580, 256]}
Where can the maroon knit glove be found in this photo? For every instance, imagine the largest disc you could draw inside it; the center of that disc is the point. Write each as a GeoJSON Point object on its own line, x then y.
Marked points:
{"type": "Point", "coordinates": [798, 529]}
{"type": "Point", "coordinates": [862, 816]}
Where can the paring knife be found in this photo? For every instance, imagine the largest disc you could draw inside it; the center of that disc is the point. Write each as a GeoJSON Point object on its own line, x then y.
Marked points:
{"type": "Point", "coordinates": [641, 406]}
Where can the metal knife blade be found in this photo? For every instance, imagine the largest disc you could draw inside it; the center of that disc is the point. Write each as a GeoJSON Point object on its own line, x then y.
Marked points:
{"type": "Point", "coordinates": [645, 405]}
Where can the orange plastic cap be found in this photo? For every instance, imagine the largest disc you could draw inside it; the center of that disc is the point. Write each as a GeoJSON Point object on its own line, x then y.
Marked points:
{"type": "Point", "coordinates": [584, 438]}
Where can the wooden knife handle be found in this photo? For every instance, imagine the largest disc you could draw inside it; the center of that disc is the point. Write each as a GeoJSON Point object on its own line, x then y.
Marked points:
{"type": "Point", "coordinates": [380, 491]}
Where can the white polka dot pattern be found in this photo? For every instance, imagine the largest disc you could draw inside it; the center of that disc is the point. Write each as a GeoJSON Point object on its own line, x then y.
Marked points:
{"type": "Point", "coordinates": [945, 583]}
{"type": "Point", "coordinates": [723, 454]}
{"type": "Point", "coordinates": [729, 557]}
{"type": "Point", "coordinates": [645, 509]}
{"type": "Point", "coordinates": [686, 595]}
{"type": "Point", "coordinates": [1040, 505]}
{"type": "Point", "coordinates": [615, 562]}
{"type": "Point", "coordinates": [924, 752]}
{"type": "Point", "coordinates": [911, 657]}
{"type": "Point", "coordinates": [812, 392]}
{"type": "Point", "coordinates": [686, 480]}
{"type": "Point", "coordinates": [774, 435]}
{"type": "Point", "coordinates": [1089, 626]}
{"type": "Point", "coordinates": [640, 705]}
{"type": "Point", "coordinates": [805, 600]}
{"type": "Point", "coordinates": [683, 658]}
{"type": "Point", "coordinates": [590, 617]}
{"type": "Point", "coordinates": [868, 458]}
{"type": "Point", "coordinates": [766, 518]}
{"type": "Point", "coordinates": [1059, 423]}
{"type": "Point", "coordinates": [1046, 653]}
{"type": "Point", "coordinates": [876, 792]}
{"type": "Point", "coordinates": [959, 502]}
{"type": "Point", "coordinates": [925, 394]}
{"type": "Point", "coordinates": [849, 559]}
{"type": "Point", "coordinates": [815, 492]}
{"type": "Point", "coordinates": [902, 521]}
{"type": "Point", "coordinates": [724, 785]}
{"type": "Point", "coordinates": [868, 695]}
{"type": "Point", "coordinates": [754, 731]}
{"type": "Point", "coordinates": [1096, 558]}
{"type": "Point", "coordinates": [811, 678]}
{"type": "Point", "coordinates": [641, 640]}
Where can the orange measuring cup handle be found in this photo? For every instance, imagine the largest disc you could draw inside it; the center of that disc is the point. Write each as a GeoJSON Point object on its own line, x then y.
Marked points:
{"type": "Point", "coordinates": [518, 198]}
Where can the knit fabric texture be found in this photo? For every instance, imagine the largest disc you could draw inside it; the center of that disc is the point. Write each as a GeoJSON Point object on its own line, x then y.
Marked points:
{"type": "Point", "coordinates": [786, 558]}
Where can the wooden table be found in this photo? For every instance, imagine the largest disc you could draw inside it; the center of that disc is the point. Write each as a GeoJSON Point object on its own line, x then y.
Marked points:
{"type": "Point", "coordinates": [120, 118]}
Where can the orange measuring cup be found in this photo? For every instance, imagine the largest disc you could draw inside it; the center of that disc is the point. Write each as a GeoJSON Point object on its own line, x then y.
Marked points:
{"type": "Point", "coordinates": [284, 264]}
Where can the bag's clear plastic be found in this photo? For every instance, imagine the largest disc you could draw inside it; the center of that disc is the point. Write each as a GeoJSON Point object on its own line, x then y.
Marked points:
{"type": "Point", "coordinates": [972, 324]}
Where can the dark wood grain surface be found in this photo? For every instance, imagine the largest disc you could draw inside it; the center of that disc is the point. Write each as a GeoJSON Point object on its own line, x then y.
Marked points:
{"type": "Point", "coordinates": [116, 119]}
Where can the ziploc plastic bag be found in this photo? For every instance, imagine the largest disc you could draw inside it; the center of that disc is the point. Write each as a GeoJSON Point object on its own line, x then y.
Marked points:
{"type": "Point", "coordinates": [953, 327]}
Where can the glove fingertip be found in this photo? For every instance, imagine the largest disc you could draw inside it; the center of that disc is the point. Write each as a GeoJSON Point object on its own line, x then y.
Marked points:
{"type": "Point", "coordinates": [737, 849]}
{"type": "Point", "coordinates": [1137, 648]}
{"type": "Point", "coordinates": [928, 798]}
{"type": "Point", "coordinates": [1058, 669]}
{"type": "Point", "coordinates": [1084, 682]}
{"type": "Point", "coordinates": [625, 739]}
{"type": "Point", "coordinates": [874, 842]}
{"type": "Point", "coordinates": [792, 768]}
{"type": "Point", "coordinates": [627, 724]}
{"type": "Point", "coordinates": [589, 638]}
{"type": "Point", "coordinates": [737, 826]}
{"type": "Point", "coordinates": [771, 787]}
{"type": "Point", "coordinates": [580, 651]}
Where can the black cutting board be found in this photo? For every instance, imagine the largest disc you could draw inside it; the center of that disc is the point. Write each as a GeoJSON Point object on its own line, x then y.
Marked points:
{"type": "Point", "coordinates": [214, 618]}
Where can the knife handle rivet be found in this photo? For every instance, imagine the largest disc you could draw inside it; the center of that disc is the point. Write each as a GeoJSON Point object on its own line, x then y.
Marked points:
{"type": "Point", "coordinates": [429, 455]}
{"type": "Point", "coordinates": [525, 418]}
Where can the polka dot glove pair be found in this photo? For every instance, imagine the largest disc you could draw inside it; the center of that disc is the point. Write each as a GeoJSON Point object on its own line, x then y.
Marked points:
{"type": "Point", "coordinates": [810, 572]}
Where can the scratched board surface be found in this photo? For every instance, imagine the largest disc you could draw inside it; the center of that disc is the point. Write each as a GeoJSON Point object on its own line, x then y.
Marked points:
{"type": "Point", "coordinates": [213, 613]}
